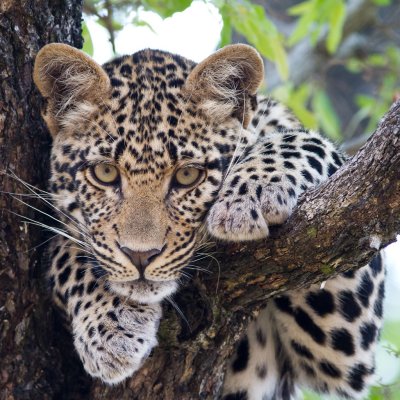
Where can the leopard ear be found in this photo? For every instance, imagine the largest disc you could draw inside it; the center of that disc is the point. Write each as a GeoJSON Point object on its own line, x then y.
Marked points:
{"type": "Point", "coordinates": [71, 83]}
{"type": "Point", "coordinates": [225, 83]}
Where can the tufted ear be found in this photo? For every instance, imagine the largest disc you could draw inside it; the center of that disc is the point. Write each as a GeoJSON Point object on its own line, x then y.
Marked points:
{"type": "Point", "coordinates": [225, 83]}
{"type": "Point", "coordinates": [71, 82]}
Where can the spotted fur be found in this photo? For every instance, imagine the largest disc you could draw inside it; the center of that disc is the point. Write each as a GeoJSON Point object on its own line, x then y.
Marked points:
{"type": "Point", "coordinates": [123, 246]}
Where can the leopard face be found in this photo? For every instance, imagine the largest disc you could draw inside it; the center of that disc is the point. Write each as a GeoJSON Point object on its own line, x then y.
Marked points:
{"type": "Point", "coordinates": [140, 150]}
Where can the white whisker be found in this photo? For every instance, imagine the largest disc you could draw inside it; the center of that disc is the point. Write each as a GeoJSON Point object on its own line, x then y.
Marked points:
{"type": "Point", "coordinates": [179, 311]}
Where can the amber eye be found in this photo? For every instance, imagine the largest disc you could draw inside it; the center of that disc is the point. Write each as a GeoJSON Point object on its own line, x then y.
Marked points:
{"type": "Point", "coordinates": [188, 176]}
{"type": "Point", "coordinates": [105, 173]}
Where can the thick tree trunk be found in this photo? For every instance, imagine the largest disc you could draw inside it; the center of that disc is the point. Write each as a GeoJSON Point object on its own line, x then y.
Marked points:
{"type": "Point", "coordinates": [337, 226]}
{"type": "Point", "coordinates": [30, 366]}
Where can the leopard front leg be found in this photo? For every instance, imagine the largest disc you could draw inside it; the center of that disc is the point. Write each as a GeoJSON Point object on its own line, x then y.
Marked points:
{"type": "Point", "coordinates": [112, 336]}
{"type": "Point", "coordinates": [263, 187]}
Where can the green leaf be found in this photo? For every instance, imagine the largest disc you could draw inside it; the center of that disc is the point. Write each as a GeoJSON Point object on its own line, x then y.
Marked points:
{"type": "Point", "coordinates": [283, 92]}
{"type": "Point", "coordinates": [117, 26]}
{"type": "Point", "coordinates": [315, 34]}
{"type": "Point", "coordinates": [364, 101]}
{"type": "Point", "coordinates": [87, 40]}
{"type": "Point", "coordinates": [280, 60]}
{"type": "Point", "coordinates": [302, 27]}
{"type": "Point", "coordinates": [226, 31]}
{"type": "Point", "coordinates": [354, 65]}
{"type": "Point", "coordinates": [250, 20]}
{"type": "Point", "coordinates": [142, 23]}
{"type": "Point", "coordinates": [166, 8]}
{"type": "Point", "coordinates": [326, 115]}
{"type": "Point", "coordinates": [297, 100]}
{"type": "Point", "coordinates": [336, 21]}
{"type": "Point", "coordinates": [377, 60]}
{"type": "Point", "coordinates": [301, 8]}
{"type": "Point", "coordinates": [393, 54]}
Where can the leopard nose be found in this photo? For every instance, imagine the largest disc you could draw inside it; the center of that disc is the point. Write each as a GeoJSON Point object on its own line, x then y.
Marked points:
{"type": "Point", "coordinates": [141, 259]}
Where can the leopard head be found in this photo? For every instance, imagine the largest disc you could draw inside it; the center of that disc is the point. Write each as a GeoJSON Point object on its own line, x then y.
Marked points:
{"type": "Point", "coordinates": [140, 149]}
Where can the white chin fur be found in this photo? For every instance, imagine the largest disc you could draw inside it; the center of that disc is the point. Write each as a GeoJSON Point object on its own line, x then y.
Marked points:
{"type": "Point", "coordinates": [147, 292]}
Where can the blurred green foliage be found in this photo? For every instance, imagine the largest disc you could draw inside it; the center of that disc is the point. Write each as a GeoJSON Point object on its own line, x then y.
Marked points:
{"type": "Point", "coordinates": [388, 63]}
{"type": "Point", "coordinates": [251, 21]}
{"type": "Point", "coordinates": [316, 21]}
{"type": "Point", "coordinates": [315, 16]}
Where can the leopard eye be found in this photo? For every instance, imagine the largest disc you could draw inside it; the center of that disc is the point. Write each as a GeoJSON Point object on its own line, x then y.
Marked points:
{"type": "Point", "coordinates": [188, 176]}
{"type": "Point", "coordinates": [105, 173]}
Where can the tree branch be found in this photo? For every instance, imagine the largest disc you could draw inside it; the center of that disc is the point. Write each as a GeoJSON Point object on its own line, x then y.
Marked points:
{"type": "Point", "coordinates": [337, 226]}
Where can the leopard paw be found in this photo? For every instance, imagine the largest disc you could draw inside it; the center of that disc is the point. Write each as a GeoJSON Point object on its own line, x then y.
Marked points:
{"type": "Point", "coordinates": [236, 221]}
{"type": "Point", "coordinates": [277, 204]}
{"type": "Point", "coordinates": [113, 345]}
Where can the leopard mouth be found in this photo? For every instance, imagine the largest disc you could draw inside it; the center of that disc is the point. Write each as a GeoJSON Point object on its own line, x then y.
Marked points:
{"type": "Point", "coordinates": [143, 290]}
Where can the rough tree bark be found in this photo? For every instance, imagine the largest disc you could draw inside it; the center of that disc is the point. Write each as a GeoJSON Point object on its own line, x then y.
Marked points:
{"type": "Point", "coordinates": [337, 226]}
{"type": "Point", "coordinates": [30, 365]}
